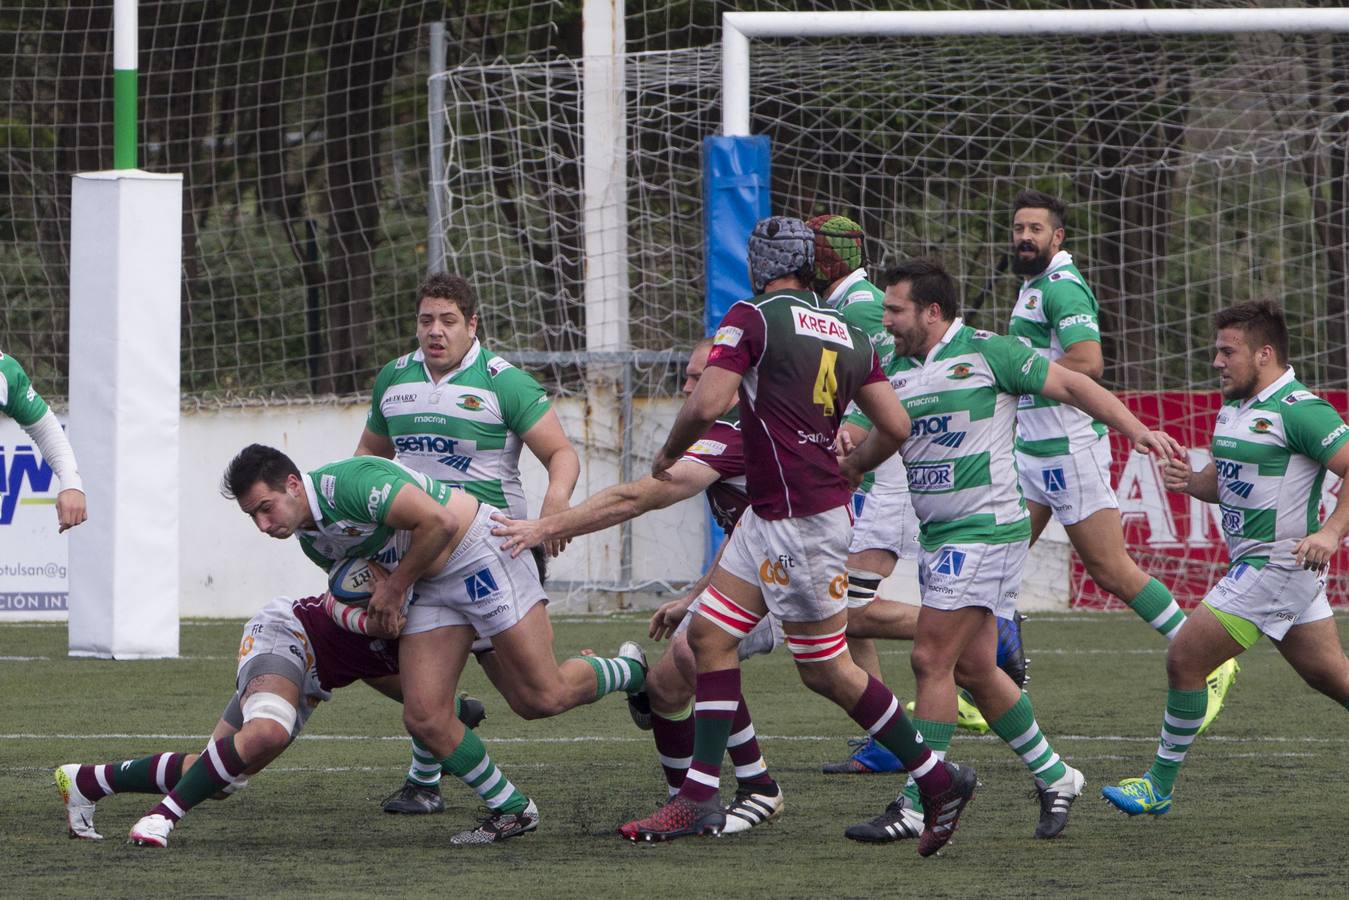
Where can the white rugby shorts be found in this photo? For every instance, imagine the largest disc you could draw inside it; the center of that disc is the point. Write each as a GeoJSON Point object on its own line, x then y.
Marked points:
{"type": "Point", "coordinates": [1274, 598]}
{"type": "Point", "coordinates": [800, 564]}
{"type": "Point", "coordinates": [958, 575]}
{"type": "Point", "coordinates": [275, 643]}
{"type": "Point", "coordinates": [479, 585]}
{"type": "Point", "coordinates": [1073, 486]}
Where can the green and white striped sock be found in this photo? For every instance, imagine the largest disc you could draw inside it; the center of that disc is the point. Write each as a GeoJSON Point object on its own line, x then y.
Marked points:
{"type": "Point", "coordinates": [1184, 714]}
{"type": "Point", "coordinates": [615, 673]}
{"type": "Point", "coordinates": [470, 764]}
{"type": "Point", "coordinates": [1022, 733]}
{"type": "Point", "coordinates": [1155, 605]}
{"type": "Point", "coordinates": [425, 768]}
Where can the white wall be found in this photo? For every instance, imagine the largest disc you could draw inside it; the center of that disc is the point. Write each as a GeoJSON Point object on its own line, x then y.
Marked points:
{"type": "Point", "coordinates": [230, 569]}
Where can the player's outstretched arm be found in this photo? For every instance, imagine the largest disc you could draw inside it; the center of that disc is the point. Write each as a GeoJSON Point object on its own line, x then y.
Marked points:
{"type": "Point", "coordinates": [1076, 389]}
{"type": "Point", "coordinates": [610, 506]}
{"type": "Point", "coordinates": [890, 428]}
{"type": "Point", "coordinates": [1315, 550]}
{"type": "Point", "coordinates": [549, 444]}
{"type": "Point", "coordinates": [716, 391]}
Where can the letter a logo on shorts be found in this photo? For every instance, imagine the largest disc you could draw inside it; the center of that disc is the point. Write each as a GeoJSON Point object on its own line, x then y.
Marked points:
{"type": "Point", "coordinates": [481, 585]}
{"type": "Point", "coordinates": [1054, 480]}
{"type": "Point", "coordinates": [949, 562]}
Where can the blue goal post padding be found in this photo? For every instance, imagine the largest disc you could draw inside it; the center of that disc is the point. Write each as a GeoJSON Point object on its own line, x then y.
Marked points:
{"type": "Point", "coordinates": [736, 183]}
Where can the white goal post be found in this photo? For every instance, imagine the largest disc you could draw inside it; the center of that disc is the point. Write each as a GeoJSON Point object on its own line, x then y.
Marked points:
{"type": "Point", "coordinates": [738, 28]}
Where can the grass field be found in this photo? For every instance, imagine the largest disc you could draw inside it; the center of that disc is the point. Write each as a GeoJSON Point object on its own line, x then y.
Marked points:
{"type": "Point", "coordinates": [1260, 806]}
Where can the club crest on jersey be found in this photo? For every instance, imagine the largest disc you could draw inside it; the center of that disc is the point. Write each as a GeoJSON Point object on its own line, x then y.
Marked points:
{"type": "Point", "coordinates": [826, 328]}
{"type": "Point", "coordinates": [960, 371]}
{"type": "Point", "coordinates": [470, 402]}
{"type": "Point", "coordinates": [1261, 426]}
{"type": "Point", "coordinates": [1032, 303]}
{"type": "Point", "coordinates": [351, 531]}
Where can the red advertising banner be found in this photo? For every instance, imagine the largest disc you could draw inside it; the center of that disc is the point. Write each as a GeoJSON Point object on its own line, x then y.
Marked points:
{"type": "Point", "coordinates": [1174, 537]}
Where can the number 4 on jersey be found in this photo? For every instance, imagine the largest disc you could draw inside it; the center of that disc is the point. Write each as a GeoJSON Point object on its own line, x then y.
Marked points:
{"type": "Point", "coordinates": [826, 381]}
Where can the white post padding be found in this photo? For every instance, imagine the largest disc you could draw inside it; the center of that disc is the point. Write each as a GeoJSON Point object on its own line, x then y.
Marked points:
{"type": "Point", "coordinates": [125, 276]}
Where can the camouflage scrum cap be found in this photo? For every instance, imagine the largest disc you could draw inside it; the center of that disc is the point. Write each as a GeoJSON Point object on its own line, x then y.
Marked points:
{"type": "Point", "coordinates": [780, 246]}
{"type": "Point", "coordinates": [838, 248]}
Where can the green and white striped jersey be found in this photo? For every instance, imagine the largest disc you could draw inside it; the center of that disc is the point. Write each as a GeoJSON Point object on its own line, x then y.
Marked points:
{"type": "Point", "coordinates": [1270, 452]}
{"type": "Point", "coordinates": [349, 500]}
{"type": "Point", "coordinates": [862, 305]}
{"type": "Point", "coordinates": [464, 430]}
{"type": "Point", "coordinates": [1054, 310]}
{"type": "Point", "coordinates": [960, 461]}
{"type": "Point", "coordinates": [891, 472]}
{"type": "Point", "coordinates": [18, 399]}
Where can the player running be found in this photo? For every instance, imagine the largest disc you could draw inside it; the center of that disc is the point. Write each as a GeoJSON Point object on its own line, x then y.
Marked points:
{"type": "Point", "coordinates": [796, 365]}
{"type": "Point", "coordinates": [291, 658]}
{"type": "Point", "coordinates": [1273, 443]}
{"type": "Point", "coordinates": [1062, 455]}
{"type": "Point", "coordinates": [454, 410]}
{"type": "Point", "coordinates": [974, 530]}
{"type": "Point", "coordinates": [435, 542]}
{"type": "Point", "coordinates": [21, 402]}
{"type": "Point", "coordinates": [714, 465]}
{"type": "Point", "coordinates": [886, 528]}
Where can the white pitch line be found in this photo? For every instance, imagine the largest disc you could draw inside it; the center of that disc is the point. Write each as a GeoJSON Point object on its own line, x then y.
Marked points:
{"type": "Point", "coordinates": [593, 738]}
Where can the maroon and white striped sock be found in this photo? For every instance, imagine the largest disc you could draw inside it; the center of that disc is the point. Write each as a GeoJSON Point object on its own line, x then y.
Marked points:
{"type": "Point", "coordinates": [154, 774]}
{"type": "Point", "coordinates": [716, 699]}
{"type": "Point", "coordinates": [218, 766]}
{"type": "Point", "coordinates": [879, 712]}
{"type": "Point", "coordinates": [743, 748]}
{"type": "Point", "coordinates": [674, 745]}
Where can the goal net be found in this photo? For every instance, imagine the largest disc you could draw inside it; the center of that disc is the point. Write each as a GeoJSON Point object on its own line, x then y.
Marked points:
{"type": "Point", "coordinates": [1198, 171]}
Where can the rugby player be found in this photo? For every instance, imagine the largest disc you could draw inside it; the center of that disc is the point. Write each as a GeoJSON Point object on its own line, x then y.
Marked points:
{"type": "Point", "coordinates": [1273, 443]}
{"type": "Point", "coordinates": [291, 658]}
{"type": "Point", "coordinates": [974, 530]}
{"type": "Point", "coordinates": [21, 402]}
{"type": "Point", "coordinates": [796, 365]}
{"type": "Point", "coordinates": [715, 465]}
{"type": "Point", "coordinates": [1062, 454]}
{"type": "Point", "coordinates": [445, 570]}
{"type": "Point", "coordinates": [454, 410]}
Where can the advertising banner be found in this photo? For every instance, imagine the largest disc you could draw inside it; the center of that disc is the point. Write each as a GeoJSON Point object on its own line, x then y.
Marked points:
{"type": "Point", "coordinates": [33, 580]}
{"type": "Point", "coordinates": [1174, 537]}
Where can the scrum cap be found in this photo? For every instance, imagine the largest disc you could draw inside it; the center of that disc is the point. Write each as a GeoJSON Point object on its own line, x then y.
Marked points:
{"type": "Point", "coordinates": [780, 246]}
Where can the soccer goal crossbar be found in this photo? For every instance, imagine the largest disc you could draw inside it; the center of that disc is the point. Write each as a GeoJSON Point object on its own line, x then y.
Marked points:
{"type": "Point", "coordinates": [738, 28]}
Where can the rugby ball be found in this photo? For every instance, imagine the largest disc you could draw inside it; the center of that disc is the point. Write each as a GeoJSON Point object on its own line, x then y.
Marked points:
{"type": "Point", "coordinates": [352, 581]}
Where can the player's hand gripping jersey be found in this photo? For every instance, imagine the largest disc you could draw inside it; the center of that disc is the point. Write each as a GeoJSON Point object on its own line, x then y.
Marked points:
{"type": "Point", "coordinates": [801, 365]}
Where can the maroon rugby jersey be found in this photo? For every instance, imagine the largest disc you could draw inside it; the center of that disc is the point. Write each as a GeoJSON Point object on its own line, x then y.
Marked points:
{"type": "Point", "coordinates": [801, 366]}
{"type": "Point", "coordinates": [343, 656]}
{"type": "Point", "coordinates": [721, 449]}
